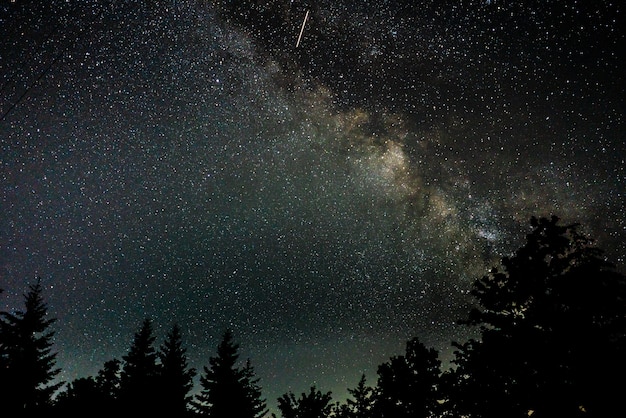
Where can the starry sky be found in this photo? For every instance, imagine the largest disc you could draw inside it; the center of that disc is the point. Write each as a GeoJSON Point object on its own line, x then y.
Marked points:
{"type": "Point", "coordinates": [188, 161]}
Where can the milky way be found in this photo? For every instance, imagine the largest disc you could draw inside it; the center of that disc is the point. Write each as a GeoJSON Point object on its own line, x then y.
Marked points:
{"type": "Point", "coordinates": [184, 161]}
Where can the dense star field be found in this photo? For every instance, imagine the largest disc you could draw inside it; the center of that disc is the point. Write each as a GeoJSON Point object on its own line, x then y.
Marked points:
{"type": "Point", "coordinates": [186, 161]}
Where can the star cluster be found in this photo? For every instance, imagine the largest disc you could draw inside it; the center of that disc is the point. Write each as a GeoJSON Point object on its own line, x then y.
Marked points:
{"type": "Point", "coordinates": [184, 161]}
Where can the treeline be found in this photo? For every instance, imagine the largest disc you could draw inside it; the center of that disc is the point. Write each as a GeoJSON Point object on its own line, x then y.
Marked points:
{"type": "Point", "coordinates": [552, 321]}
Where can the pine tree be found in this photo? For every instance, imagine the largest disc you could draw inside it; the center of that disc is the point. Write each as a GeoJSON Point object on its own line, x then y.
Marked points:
{"type": "Point", "coordinates": [362, 403]}
{"type": "Point", "coordinates": [255, 406]}
{"type": "Point", "coordinates": [553, 333]}
{"type": "Point", "coordinates": [27, 357]}
{"type": "Point", "coordinates": [229, 390]}
{"type": "Point", "coordinates": [139, 376]}
{"type": "Point", "coordinates": [176, 378]}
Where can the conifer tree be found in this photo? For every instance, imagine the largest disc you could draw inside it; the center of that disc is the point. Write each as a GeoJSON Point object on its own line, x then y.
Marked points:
{"type": "Point", "coordinates": [28, 362]}
{"type": "Point", "coordinates": [362, 403]}
{"type": "Point", "coordinates": [139, 375]}
{"type": "Point", "coordinates": [176, 378]}
{"type": "Point", "coordinates": [229, 390]}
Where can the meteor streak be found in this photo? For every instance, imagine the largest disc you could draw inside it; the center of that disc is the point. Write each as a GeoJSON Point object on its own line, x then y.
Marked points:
{"type": "Point", "coordinates": [302, 28]}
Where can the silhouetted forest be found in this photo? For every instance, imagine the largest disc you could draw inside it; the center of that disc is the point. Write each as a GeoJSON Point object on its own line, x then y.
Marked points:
{"type": "Point", "coordinates": [552, 321]}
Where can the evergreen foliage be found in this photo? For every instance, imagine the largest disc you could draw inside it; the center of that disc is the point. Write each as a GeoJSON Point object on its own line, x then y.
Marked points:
{"type": "Point", "coordinates": [552, 326]}
{"type": "Point", "coordinates": [139, 375]}
{"type": "Point", "coordinates": [227, 389]}
{"type": "Point", "coordinates": [176, 378]}
{"type": "Point", "coordinates": [28, 362]}
{"type": "Point", "coordinates": [360, 405]}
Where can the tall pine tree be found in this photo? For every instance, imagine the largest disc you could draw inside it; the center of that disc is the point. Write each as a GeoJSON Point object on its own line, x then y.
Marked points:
{"type": "Point", "coordinates": [176, 378]}
{"type": "Point", "coordinates": [362, 403]}
{"type": "Point", "coordinates": [140, 374]}
{"type": "Point", "coordinates": [229, 390]}
{"type": "Point", "coordinates": [28, 362]}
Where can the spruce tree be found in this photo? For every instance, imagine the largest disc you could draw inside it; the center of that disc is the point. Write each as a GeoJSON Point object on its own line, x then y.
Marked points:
{"type": "Point", "coordinates": [363, 400]}
{"type": "Point", "coordinates": [139, 375]}
{"type": "Point", "coordinates": [227, 389]}
{"type": "Point", "coordinates": [26, 356]}
{"type": "Point", "coordinates": [362, 403]}
{"type": "Point", "coordinates": [176, 378]}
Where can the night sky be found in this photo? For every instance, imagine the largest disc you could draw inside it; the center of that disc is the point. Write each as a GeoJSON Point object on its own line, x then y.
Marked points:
{"type": "Point", "coordinates": [185, 161]}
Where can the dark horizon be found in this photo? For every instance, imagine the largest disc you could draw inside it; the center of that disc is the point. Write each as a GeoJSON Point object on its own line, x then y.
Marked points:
{"type": "Point", "coordinates": [543, 318]}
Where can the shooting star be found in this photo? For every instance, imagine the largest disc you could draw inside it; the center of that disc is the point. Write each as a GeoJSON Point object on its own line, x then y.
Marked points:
{"type": "Point", "coordinates": [302, 28]}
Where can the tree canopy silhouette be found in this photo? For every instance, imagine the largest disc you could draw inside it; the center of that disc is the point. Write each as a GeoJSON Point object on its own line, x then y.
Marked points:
{"type": "Point", "coordinates": [176, 378]}
{"type": "Point", "coordinates": [407, 385]}
{"type": "Point", "coordinates": [552, 326]}
{"type": "Point", "coordinates": [80, 398]}
{"type": "Point", "coordinates": [26, 356]}
{"type": "Point", "coordinates": [139, 375]}
{"type": "Point", "coordinates": [552, 322]}
{"type": "Point", "coordinates": [229, 390]}
{"type": "Point", "coordinates": [314, 404]}
{"type": "Point", "coordinates": [360, 405]}
{"type": "Point", "coordinates": [108, 382]}
{"type": "Point", "coordinates": [149, 381]}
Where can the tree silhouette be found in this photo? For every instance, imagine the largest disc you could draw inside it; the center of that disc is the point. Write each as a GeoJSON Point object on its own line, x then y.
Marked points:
{"type": "Point", "coordinates": [362, 403]}
{"type": "Point", "coordinates": [176, 378]}
{"type": "Point", "coordinates": [85, 395]}
{"type": "Point", "coordinates": [407, 385]}
{"type": "Point", "coordinates": [315, 404]}
{"type": "Point", "coordinates": [139, 375]}
{"type": "Point", "coordinates": [552, 322]}
{"type": "Point", "coordinates": [553, 333]}
{"type": "Point", "coordinates": [28, 363]}
{"type": "Point", "coordinates": [228, 390]}
{"type": "Point", "coordinates": [5, 344]}
{"type": "Point", "coordinates": [108, 382]}
{"type": "Point", "coordinates": [81, 397]}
